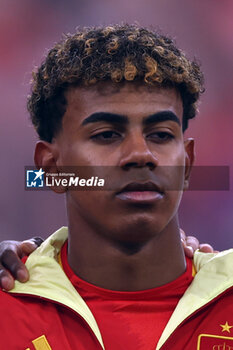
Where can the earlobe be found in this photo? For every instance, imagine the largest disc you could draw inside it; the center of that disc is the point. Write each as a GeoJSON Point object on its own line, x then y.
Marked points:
{"type": "Point", "coordinates": [189, 160]}
{"type": "Point", "coordinates": [45, 157]}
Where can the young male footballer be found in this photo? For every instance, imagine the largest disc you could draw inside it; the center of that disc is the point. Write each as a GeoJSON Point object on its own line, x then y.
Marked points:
{"type": "Point", "coordinates": [119, 98]}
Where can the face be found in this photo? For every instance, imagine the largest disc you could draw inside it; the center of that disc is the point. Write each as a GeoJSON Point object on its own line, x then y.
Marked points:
{"type": "Point", "coordinates": [135, 132]}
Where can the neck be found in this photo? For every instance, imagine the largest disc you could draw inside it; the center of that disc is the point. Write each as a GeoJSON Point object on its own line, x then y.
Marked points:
{"type": "Point", "coordinates": [125, 266]}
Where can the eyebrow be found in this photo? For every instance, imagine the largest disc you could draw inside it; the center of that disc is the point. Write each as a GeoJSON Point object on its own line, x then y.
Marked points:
{"type": "Point", "coordinates": [106, 117]}
{"type": "Point", "coordinates": [161, 117]}
{"type": "Point", "coordinates": [115, 118]}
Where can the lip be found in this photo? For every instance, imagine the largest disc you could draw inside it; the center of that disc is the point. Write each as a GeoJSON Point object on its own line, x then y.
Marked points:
{"type": "Point", "coordinates": [140, 192]}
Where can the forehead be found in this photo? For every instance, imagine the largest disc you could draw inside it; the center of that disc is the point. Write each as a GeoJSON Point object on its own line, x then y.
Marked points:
{"type": "Point", "coordinates": [130, 99]}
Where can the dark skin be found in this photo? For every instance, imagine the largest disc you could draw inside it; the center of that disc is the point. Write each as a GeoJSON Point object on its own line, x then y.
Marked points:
{"type": "Point", "coordinates": [124, 240]}
{"type": "Point", "coordinates": [12, 251]}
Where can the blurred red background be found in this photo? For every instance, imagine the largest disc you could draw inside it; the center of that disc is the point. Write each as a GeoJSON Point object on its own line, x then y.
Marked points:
{"type": "Point", "coordinates": [202, 28]}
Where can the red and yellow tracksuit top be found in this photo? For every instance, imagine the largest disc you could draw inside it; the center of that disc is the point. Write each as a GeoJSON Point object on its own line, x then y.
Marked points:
{"type": "Point", "coordinates": [38, 315]}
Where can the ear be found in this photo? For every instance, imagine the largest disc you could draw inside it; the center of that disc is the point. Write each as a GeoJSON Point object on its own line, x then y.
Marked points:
{"type": "Point", "coordinates": [46, 157]}
{"type": "Point", "coordinates": [189, 160]}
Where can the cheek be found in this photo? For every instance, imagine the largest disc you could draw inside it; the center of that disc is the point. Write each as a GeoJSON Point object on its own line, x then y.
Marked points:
{"type": "Point", "coordinates": [172, 172]}
{"type": "Point", "coordinates": [175, 199]}
{"type": "Point", "coordinates": [82, 154]}
{"type": "Point", "coordinates": [179, 158]}
{"type": "Point", "coordinates": [171, 177]}
{"type": "Point", "coordinates": [88, 203]}
{"type": "Point", "coordinates": [172, 155]}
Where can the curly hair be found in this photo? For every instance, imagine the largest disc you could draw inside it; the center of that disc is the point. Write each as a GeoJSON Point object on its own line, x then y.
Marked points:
{"type": "Point", "coordinates": [116, 53]}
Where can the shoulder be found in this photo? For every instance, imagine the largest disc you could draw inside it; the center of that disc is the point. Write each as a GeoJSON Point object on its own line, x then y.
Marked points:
{"type": "Point", "coordinates": [214, 275]}
{"type": "Point", "coordinates": [217, 261]}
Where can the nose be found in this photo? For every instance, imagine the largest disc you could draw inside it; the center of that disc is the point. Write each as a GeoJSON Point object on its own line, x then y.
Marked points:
{"type": "Point", "coordinates": [136, 153]}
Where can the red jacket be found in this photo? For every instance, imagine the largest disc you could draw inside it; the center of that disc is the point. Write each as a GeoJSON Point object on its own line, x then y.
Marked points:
{"type": "Point", "coordinates": [40, 314]}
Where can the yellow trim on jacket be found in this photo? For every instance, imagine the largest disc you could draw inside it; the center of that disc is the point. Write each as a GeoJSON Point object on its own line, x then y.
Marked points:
{"type": "Point", "coordinates": [47, 279]}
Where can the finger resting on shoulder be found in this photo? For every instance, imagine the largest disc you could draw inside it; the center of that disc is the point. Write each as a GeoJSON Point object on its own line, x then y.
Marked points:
{"type": "Point", "coordinates": [188, 250]}
{"type": "Point", "coordinates": [206, 248]}
{"type": "Point", "coordinates": [12, 263]}
{"type": "Point", "coordinates": [192, 242]}
{"type": "Point", "coordinates": [9, 245]}
{"type": "Point", "coordinates": [37, 240]}
{"type": "Point", "coordinates": [28, 246]}
{"type": "Point", "coordinates": [6, 280]}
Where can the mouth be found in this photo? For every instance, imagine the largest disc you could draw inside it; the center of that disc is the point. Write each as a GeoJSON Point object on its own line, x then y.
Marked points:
{"type": "Point", "coordinates": [140, 192]}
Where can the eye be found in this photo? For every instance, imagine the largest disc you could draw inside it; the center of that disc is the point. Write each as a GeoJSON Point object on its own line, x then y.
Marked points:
{"type": "Point", "coordinates": [106, 136]}
{"type": "Point", "coordinates": [161, 136]}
